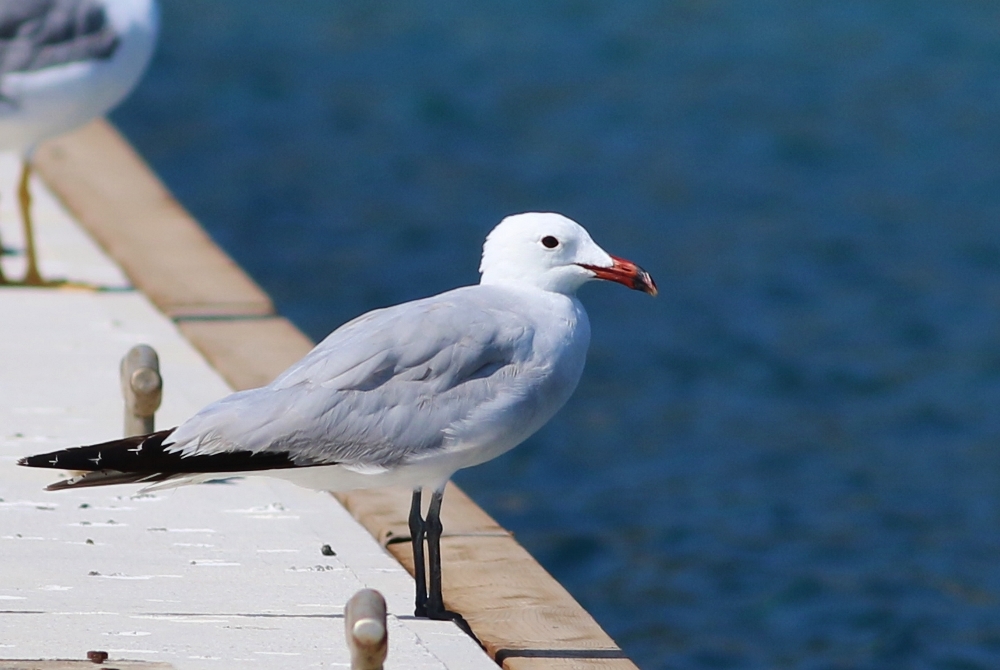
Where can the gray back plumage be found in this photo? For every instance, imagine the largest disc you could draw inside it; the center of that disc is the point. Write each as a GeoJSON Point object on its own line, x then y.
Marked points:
{"type": "Point", "coordinates": [382, 389]}
{"type": "Point", "coordinates": [36, 34]}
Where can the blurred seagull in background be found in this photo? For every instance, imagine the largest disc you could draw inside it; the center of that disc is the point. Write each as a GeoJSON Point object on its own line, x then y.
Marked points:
{"type": "Point", "coordinates": [63, 63]}
{"type": "Point", "coordinates": [401, 396]}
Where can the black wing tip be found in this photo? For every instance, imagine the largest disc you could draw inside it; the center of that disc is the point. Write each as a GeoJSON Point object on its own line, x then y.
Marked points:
{"type": "Point", "coordinates": [145, 458]}
{"type": "Point", "coordinates": [39, 460]}
{"type": "Point", "coordinates": [105, 478]}
{"type": "Point", "coordinates": [89, 458]}
{"type": "Point", "coordinates": [60, 485]}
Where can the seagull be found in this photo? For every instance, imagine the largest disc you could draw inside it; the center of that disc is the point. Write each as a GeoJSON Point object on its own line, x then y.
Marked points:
{"type": "Point", "coordinates": [401, 396]}
{"type": "Point", "coordinates": [63, 63]}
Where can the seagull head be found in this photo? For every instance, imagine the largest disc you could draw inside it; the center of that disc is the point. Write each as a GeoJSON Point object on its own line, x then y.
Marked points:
{"type": "Point", "coordinates": [554, 253]}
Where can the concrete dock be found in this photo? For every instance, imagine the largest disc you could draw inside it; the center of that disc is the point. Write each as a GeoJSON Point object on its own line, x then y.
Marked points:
{"type": "Point", "coordinates": [220, 575]}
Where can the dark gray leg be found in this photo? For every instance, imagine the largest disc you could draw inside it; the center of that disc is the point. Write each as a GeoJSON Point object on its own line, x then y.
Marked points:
{"type": "Point", "coordinates": [435, 600]}
{"type": "Point", "coordinates": [417, 532]}
{"type": "Point", "coordinates": [431, 605]}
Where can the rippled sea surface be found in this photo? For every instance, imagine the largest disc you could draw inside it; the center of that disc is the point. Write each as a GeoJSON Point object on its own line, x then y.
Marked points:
{"type": "Point", "coordinates": [791, 458]}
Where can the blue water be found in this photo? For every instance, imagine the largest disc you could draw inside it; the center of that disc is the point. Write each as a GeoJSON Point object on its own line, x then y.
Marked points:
{"type": "Point", "coordinates": [791, 458]}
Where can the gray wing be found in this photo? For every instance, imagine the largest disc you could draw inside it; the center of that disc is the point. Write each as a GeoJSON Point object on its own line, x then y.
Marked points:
{"type": "Point", "coordinates": [36, 34]}
{"type": "Point", "coordinates": [387, 387]}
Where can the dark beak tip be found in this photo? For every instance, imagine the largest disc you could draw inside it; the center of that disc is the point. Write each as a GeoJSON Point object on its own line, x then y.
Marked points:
{"type": "Point", "coordinates": [644, 282]}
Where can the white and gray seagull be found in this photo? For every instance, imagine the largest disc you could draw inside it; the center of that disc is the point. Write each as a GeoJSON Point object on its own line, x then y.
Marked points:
{"type": "Point", "coordinates": [63, 63]}
{"type": "Point", "coordinates": [404, 395]}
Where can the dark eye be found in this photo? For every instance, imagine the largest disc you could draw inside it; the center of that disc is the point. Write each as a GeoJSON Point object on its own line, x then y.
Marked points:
{"type": "Point", "coordinates": [550, 242]}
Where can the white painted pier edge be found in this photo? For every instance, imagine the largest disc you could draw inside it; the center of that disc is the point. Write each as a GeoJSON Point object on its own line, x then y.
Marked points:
{"type": "Point", "coordinates": [215, 576]}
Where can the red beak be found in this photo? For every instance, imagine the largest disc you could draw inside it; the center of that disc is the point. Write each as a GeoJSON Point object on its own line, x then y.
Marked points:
{"type": "Point", "coordinates": [626, 273]}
